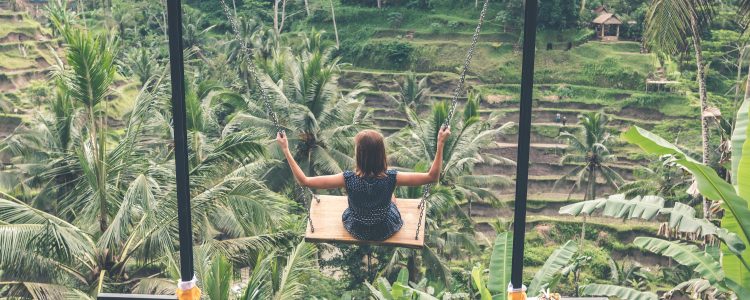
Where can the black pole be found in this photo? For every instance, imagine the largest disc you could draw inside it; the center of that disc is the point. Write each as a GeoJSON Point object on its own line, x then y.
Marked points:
{"type": "Point", "coordinates": [177, 67]}
{"type": "Point", "coordinates": [524, 141]}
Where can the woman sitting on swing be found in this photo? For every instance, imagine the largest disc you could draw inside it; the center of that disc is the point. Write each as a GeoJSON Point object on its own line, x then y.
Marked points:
{"type": "Point", "coordinates": [372, 214]}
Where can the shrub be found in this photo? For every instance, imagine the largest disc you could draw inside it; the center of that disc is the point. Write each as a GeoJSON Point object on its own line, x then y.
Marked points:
{"type": "Point", "coordinates": [609, 72]}
{"type": "Point", "coordinates": [398, 53]}
{"type": "Point", "coordinates": [564, 91]}
{"type": "Point", "coordinates": [536, 256]}
{"type": "Point", "coordinates": [436, 27]}
{"type": "Point", "coordinates": [583, 36]}
{"type": "Point", "coordinates": [454, 25]}
{"type": "Point", "coordinates": [395, 19]}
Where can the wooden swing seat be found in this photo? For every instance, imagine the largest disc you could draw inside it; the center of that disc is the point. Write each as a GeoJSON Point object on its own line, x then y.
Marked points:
{"type": "Point", "coordinates": [326, 218]}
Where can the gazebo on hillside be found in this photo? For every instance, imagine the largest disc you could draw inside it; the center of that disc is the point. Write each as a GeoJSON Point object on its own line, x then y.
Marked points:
{"type": "Point", "coordinates": [604, 22]}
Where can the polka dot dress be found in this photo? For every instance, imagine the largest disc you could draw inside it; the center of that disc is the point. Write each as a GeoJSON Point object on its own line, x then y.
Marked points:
{"type": "Point", "coordinates": [371, 214]}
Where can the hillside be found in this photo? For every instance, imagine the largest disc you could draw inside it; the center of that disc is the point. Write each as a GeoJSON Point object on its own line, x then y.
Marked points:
{"type": "Point", "coordinates": [25, 50]}
{"type": "Point", "coordinates": [102, 162]}
{"type": "Point", "coordinates": [594, 76]}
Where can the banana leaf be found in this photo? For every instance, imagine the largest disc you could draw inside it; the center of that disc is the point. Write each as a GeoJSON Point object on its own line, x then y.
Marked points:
{"type": "Point", "coordinates": [500, 266]}
{"type": "Point", "coordinates": [735, 265]}
{"type": "Point", "coordinates": [620, 292]}
{"type": "Point", "coordinates": [559, 259]}
{"type": "Point", "coordinates": [686, 255]}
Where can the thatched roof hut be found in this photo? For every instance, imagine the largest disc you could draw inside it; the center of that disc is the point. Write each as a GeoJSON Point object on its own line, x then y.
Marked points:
{"type": "Point", "coordinates": [605, 20]}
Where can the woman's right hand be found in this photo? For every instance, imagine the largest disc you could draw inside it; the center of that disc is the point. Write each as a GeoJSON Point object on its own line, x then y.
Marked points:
{"type": "Point", "coordinates": [282, 141]}
{"type": "Point", "coordinates": [445, 131]}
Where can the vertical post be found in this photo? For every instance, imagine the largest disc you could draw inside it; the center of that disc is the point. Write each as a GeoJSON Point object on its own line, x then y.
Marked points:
{"type": "Point", "coordinates": [176, 64]}
{"type": "Point", "coordinates": [617, 35]}
{"type": "Point", "coordinates": [524, 142]}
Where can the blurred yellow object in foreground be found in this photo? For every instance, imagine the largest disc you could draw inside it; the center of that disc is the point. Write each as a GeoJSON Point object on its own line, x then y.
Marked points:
{"type": "Point", "coordinates": [516, 294]}
{"type": "Point", "coordinates": [191, 294]}
{"type": "Point", "coordinates": [188, 290]}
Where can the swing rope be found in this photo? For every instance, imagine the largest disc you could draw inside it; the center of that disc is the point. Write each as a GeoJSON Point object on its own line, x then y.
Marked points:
{"type": "Point", "coordinates": [454, 102]}
{"type": "Point", "coordinates": [299, 191]}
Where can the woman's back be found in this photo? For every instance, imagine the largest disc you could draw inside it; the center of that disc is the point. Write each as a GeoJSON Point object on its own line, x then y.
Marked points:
{"type": "Point", "coordinates": [371, 214]}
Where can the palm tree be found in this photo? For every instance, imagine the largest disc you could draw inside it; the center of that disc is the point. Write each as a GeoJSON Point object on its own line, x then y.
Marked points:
{"type": "Point", "coordinates": [319, 119]}
{"type": "Point", "coordinates": [590, 153]}
{"type": "Point", "coordinates": [661, 180]}
{"type": "Point", "coordinates": [413, 93]}
{"type": "Point", "coordinates": [670, 27]}
{"type": "Point", "coordinates": [88, 81]}
{"type": "Point", "coordinates": [141, 63]}
{"type": "Point", "coordinates": [276, 277]}
{"type": "Point", "coordinates": [260, 39]}
{"type": "Point", "coordinates": [416, 145]}
{"type": "Point", "coordinates": [194, 35]}
{"type": "Point", "coordinates": [88, 174]}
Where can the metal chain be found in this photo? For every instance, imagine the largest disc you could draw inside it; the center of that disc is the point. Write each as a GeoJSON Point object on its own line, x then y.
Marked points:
{"type": "Point", "coordinates": [251, 65]}
{"type": "Point", "coordinates": [467, 62]}
{"type": "Point", "coordinates": [298, 190]}
{"type": "Point", "coordinates": [454, 102]}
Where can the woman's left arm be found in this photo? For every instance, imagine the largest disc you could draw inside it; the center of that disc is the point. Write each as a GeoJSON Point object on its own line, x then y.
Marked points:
{"type": "Point", "coordinates": [316, 182]}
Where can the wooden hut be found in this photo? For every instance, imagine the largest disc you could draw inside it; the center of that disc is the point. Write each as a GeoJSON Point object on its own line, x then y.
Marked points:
{"type": "Point", "coordinates": [603, 23]}
{"type": "Point", "coordinates": [601, 9]}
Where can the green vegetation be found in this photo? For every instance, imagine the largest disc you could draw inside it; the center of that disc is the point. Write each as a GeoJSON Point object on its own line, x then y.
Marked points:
{"type": "Point", "coordinates": [87, 160]}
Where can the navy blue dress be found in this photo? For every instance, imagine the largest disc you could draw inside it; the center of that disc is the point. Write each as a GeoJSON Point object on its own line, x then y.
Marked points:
{"type": "Point", "coordinates": [371, 214]}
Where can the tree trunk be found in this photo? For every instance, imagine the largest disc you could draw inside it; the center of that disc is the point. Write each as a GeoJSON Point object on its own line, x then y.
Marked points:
{"type": "Point", "coordinates": [590, 195]}
{"type": "Point", "coordinates": [335, 29]}
{"type": "Point", "coordinates": [703, 99]}
{"type": "Point", "coordinates": [307, 9]}
{"type": "Point", "coordinates": [583, 232]}
{"type": "Point", "coordinates": [276, 17]}
{"type": "Point", "coordinates": [380, 4]}
{"type": "Point", "coordinates": [283, 15]}
{"type": "Point", "coordinates": [369, 263]}
{"type": "Point", "coordinates": [583, 7]}
{"type": "Point", "coordinates": [411, 266]}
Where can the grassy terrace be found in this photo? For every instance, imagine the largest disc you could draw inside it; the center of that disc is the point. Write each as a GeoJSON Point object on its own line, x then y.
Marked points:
{"type": "Point", "coordinates": [24, 26]}
{"type": "Point", "coordinates": [249, 214]}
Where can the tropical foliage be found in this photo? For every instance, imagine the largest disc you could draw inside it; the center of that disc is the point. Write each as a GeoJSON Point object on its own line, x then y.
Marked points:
{"type": "Point", "coordinates": [87, 183]}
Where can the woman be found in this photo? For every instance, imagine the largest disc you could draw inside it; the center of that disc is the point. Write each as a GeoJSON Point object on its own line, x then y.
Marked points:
{"type": "Point", "coordinates": [372, 214]}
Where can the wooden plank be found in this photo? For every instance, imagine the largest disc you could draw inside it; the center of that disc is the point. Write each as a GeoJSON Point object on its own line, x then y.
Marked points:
{"type": "Point", "coordinates": [326, 218]}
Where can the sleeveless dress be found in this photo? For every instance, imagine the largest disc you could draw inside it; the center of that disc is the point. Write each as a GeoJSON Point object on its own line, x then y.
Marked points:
{"type": "Point", "coordinates": [371, 214]}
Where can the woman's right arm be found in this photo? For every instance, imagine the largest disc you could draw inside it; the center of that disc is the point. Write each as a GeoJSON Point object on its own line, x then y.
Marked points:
{"type": "Point", "coordinates": [417, 179]}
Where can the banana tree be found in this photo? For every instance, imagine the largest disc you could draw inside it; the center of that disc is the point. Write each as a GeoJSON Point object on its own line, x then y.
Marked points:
{"type": "Point", "coordinates": [620, 292]}
{"type": "Point", "coordinates": [682, 217]}
{"type": "Point", "coordinates": [277, 277]}
{"type": "Point", "coordinates": [495, 288]}
{"type": "Point", "coordinates": [401, 289]}
{"type": "Point", "coordinates": [713, 187]}
{"type": "Point", "coordinates": [553, 270]}
{"type": "Point", "coordinates": [499, 272]}
{"type": "Point", "coordinates": [689, 255]}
